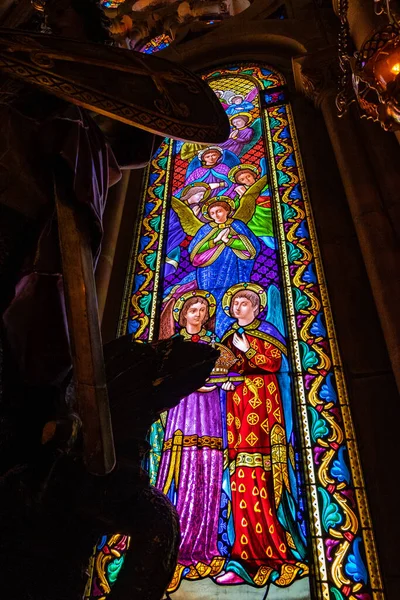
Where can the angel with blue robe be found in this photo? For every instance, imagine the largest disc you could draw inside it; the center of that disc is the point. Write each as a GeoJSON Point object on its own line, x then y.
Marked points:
{"type": "Point", "coordinates": [223, 250]}
{"type": "Point", "coordinates": [239, 103]}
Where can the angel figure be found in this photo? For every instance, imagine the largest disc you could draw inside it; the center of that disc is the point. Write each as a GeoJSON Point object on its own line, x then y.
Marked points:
{"type": "Point", "coordinates": [192, 449]}
{"type": "Point", "coordinates": [224, 249]}
{"type": "Point", "coordinates": [193, 195]}
{"type": "Point", "coordinates": [239, 103]}
{"type": "Point", "coordinates": [211, 165]}
{"type": "Point", "coordinates": [246, 179]}
{"type": "Point", "coordinates": [241, 133]}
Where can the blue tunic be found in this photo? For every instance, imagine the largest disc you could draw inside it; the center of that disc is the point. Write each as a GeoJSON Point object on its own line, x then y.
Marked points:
{"type": "Point", "coordinates": [227, 270]}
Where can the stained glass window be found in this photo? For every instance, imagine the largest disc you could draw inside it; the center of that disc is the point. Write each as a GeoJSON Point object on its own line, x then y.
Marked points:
{"type": "Point", "coordinates": [155, 44]}
{"type": "Point", "coordinates": [104, 566]}
{"type": "Point", "coordinates": [260, 462]}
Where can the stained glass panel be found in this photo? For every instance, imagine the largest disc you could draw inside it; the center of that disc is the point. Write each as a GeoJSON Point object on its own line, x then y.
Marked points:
{"type": "Point", "coordinates": [155, 44]}
{"type": "Point", "coordinates": [260, 462]}
{"type": "Point", "coordinates": [104, 566]}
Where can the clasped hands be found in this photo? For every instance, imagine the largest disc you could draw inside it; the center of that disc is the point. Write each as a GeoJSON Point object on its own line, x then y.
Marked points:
{"type": "Point", "coordinates": [223, 235]}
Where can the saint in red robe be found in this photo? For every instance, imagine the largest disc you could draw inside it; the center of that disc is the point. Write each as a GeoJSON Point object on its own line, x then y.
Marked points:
{"type": "Point", "coordinates": [258, 454]}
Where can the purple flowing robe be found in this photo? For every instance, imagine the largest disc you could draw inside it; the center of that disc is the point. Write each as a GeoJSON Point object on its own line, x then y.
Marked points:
{"type": "Point", "coordinates": [216, 174]}
{"type": "Point", "coordinates": [237, 144]}
{"type": "Point", "coordinates": [191, 474]}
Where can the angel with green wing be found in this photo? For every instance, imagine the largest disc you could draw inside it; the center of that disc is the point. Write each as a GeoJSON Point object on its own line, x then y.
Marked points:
{"type": "Point", "coordinates": [223, 250]}
{"type": "Point", "coordinates": [246, 179]}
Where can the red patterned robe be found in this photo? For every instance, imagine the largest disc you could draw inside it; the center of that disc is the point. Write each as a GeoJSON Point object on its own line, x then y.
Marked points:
{"type": "Point", "coordinates": [257, 453]}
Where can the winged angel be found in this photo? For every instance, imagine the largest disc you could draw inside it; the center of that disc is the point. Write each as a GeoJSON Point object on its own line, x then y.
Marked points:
{"type": "Point", "coordinates": [223, 250]}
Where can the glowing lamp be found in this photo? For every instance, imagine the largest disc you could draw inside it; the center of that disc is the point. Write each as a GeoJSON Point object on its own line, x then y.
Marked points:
{"type": "Point", "coordinates": [396, 68]}
{"type": "Point", "coordinates": [376, 78]}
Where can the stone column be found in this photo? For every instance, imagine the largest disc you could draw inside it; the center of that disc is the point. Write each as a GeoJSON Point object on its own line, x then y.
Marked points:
{"type": "Point", "coordinates": [316, 76]}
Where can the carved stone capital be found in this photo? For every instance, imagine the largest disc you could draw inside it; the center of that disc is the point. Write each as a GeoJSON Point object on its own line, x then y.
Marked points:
{"type": "Point", "coordinates": [316, 75]}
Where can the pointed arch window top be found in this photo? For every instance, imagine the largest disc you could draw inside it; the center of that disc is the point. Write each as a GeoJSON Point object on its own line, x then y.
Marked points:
{"type": "Point", "coordinates": [267, 464]}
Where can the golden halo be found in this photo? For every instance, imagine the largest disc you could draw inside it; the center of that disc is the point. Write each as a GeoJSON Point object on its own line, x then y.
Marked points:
{"type": "Point", "coordinates": [197, 184]}
{"type": "Point", "coordinates": [249, 117]}
{"type": "Point", "coordinates": [238, 287]}
{"type": "Point", "coordinates": [243, 167]}
{"type": "Point", "coordinates": [182, 299]}
{"type": "Point", "coordinates": [215, 200]}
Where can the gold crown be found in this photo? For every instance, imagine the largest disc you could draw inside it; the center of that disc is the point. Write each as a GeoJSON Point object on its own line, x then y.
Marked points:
{"type": "Point", "coordinates": [225, 360]}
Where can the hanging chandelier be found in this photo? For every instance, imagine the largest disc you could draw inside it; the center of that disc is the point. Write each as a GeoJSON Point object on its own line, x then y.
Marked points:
{"type": "Point", "coordinates": [371, 76]}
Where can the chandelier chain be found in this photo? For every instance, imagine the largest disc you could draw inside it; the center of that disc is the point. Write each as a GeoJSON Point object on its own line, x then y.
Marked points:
{"type": "Point", "coordinates": [344, 57]}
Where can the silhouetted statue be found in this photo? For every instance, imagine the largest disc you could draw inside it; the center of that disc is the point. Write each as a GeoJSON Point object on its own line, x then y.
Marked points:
{"type": "Point", "coordinates": [56, 165]}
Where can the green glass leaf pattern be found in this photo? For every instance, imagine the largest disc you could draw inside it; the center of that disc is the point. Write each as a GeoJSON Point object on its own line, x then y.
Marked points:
{"type": "Point", "coordinates": [155, 223]}
{"type": "Point", "coordinates": [163, 162]}
{"type": "Point", "coordinates": [309, 358]}
{"type": "Point", "coordinates": [273, 123]}
{"type": "Point", "coordinates": [294, 253]}
{"type": "Point", "coordinates": [331, 515]}
{"type": "Point", "coordinates": [283, 178]}
{"type": "Point", "coordinates": [319, 428]}
{"type": "Point", "coordinates": [145, 304]}
{"type": "Point", "coordinates": [336, 595]}
{"type": "Point", "coordinates": [114, 568]}
{"type": "Point", "coordinates": [159, 191]}
{"type": "Point", "coordinates": [301, 301]}
{"type": "Point", "coordinates": [278, 148]}
{"type": "Point", "coordinates": [151, 260]}
{"type": "Point", "coordinates": [288, 212]}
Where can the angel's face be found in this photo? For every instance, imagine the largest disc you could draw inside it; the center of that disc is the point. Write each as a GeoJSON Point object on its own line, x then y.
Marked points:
{"type": "Point", "coordinates": [246, 178]}
{"type": "Point", "coordinates": [237, 100]}
{"type": "Point", "coordinates": [195, 316]}
{"type": "Point", "coordinates": [211, 157]}
{"type": "Point", "coordinates": [197, 197]}
{"type": "Point", "coordinates": [243, 310]}
{"type": "Point", "coordinates": [219, 214]}
{"type": "Point", "coordinates": [239, 122]}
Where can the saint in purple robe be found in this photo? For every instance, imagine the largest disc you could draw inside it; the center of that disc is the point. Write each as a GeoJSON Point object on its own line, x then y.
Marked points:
{"type": "Point", "coordinates": [191, 464]}
{"type": "Point", "coordinates": [240, 135]}
{"type": "Point", "coordinates": [212, 165]}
